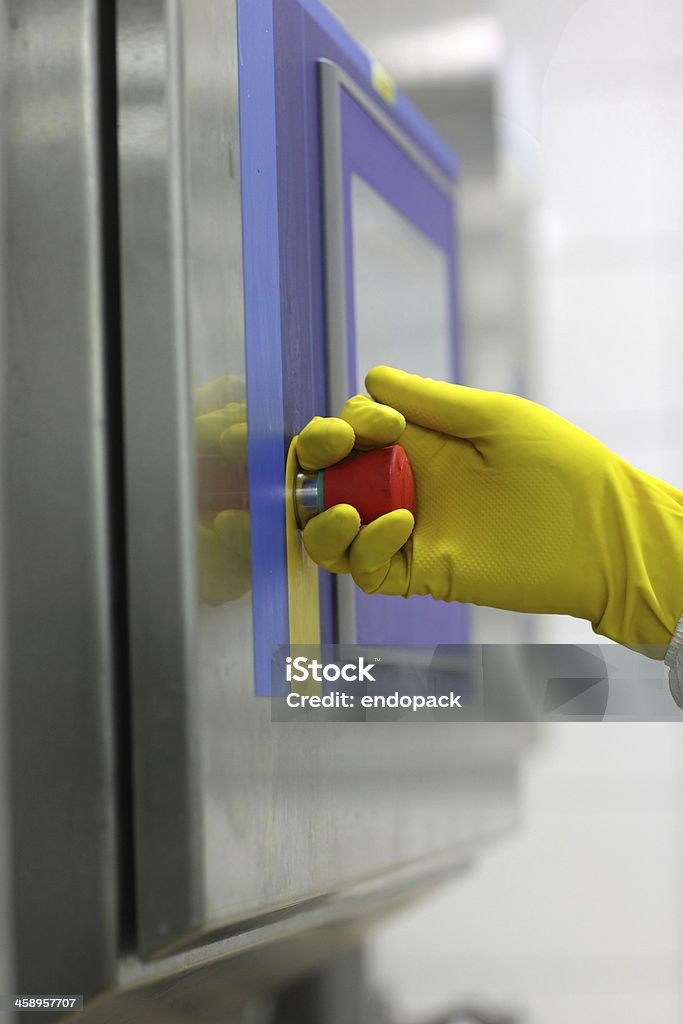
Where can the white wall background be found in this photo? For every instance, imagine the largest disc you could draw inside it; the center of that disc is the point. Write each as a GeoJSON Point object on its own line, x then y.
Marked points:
{"type": "Point", "coordinates": [579, 917]}
{"type": "Point", "coordinates": [611, 231]}
{"type": "Point", "coordinates": [575, 919]}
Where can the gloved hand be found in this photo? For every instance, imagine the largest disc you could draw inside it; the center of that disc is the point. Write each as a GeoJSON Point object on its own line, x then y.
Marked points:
{"type": "Point", "coordinates": [516, 509]}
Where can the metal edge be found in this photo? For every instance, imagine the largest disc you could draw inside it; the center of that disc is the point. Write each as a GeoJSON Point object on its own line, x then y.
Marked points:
{"type": "Point", "coordinates": [336, 334]}
{"type": "Point", "coordinates": [7, 966]}
{"type": "Point", "coordinates": [247, 962]}
{"type": "Point", "coordinates": [159, 467]}
{"type": "Point", "coordinates": [60, 677]}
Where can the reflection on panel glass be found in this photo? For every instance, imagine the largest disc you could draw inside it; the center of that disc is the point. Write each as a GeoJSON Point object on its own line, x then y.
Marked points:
{"type": "Point", "coordinates": [222, 490]}
{"type": "Point", "coordinates": [401, 289]}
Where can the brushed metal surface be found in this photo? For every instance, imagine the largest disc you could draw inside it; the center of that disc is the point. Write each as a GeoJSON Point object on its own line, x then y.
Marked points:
{"type": "Point", "coordinates": [159, 472]}
{"type": "Point", "coordinates": [204, 984]}
{"type": "Point", "coordinates": [58, 726]}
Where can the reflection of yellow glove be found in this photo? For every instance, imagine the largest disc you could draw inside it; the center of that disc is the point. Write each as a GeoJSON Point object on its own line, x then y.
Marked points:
{"type": "Point", "coordinates": [223, 528]}
{"type": "Point", "coordinates": [221, 419]}
{"type": "Point", "coordinates": [516, 508]}
{"type": "Point", "coordinates": [223, 557]}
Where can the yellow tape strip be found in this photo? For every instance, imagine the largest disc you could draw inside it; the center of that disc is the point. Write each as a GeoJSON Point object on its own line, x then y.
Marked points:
{"type": "Point", "coordinates": [302, 578]}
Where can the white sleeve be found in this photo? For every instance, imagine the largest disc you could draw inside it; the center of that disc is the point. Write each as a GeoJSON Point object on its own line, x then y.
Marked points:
{"type": "Point", "coordinates": [674, 659]}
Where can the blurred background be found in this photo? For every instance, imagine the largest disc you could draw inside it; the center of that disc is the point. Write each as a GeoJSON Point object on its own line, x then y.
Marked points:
{"type": "Point", "coordinates": [566, 119]}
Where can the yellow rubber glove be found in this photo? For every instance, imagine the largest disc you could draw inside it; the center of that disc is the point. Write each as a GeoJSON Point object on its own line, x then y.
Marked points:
{"type": "Point", "coordinates": [516, 509]}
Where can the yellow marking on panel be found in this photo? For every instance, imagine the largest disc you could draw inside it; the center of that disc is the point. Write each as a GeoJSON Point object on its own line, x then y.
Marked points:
{"type": "Point", "coordinates": [383, 83]}
{"type": "Point", "coordinates": [302, 579]}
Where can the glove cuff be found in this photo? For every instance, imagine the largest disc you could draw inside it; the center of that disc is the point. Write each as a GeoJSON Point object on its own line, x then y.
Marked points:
{"type": "Point", "coordinates": [674, 659]}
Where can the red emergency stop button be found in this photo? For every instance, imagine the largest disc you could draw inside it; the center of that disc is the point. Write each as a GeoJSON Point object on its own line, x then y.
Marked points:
{"type": "Point", "coordinates": [374, 482]}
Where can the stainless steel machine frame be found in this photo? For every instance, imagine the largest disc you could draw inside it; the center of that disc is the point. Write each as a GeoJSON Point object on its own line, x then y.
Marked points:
{"type": "Point", "coordinates": [171, 850]}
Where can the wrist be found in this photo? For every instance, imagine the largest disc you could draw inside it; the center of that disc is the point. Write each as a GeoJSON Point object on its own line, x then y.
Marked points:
{"type": "Point", "coordinates": [675, 648]}
{"type": "Point", "coordinates": [641, 540]}
{"type": "Point", "coordinates": [674, 659]}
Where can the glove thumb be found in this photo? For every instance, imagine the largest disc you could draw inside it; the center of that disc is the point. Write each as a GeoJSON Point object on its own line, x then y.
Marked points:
{"type": "Point", "coordinates": [447, 408]}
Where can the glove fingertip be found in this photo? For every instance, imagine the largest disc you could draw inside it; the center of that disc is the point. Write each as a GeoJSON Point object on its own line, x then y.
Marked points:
{"type": "Point", "coordinates": [373, 423]}
{"type": "Point", "coordinates": [400, 523]}
{"type": "Point", "coordinates": [324, 441]}
{"type": "Point", "coordinates": [342, 516]}
{"type": "Point", "coordinates": [328, 536]}
{"type": "Point", "coordinates": [379, 541]}
{"type": "Point", "coordinates": [380, 376]}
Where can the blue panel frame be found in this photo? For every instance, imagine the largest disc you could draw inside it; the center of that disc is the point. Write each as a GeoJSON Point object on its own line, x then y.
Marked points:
{"type": "Point", "coordinates": [280, 43]}
{"type": "Point", "coordinates": [260, 229]}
